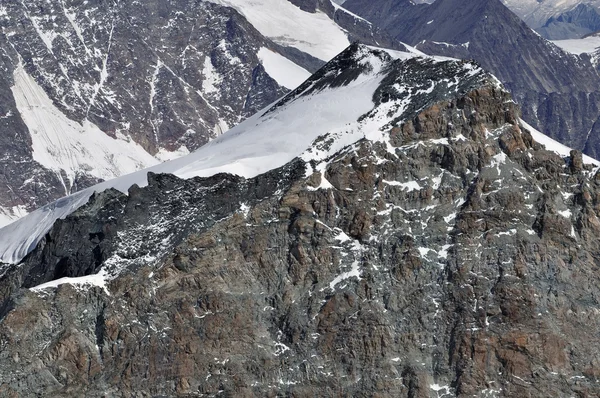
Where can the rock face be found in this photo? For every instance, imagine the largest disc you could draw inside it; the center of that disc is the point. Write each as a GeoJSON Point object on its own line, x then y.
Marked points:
{"type": "Point", "coordinates": [559, 93]}
{"type": "Point", "coordinates": [455, 257]}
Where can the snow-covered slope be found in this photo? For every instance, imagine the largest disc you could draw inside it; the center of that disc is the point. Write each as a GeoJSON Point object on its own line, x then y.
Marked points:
{"type": "Point", "coordinates": [286, 73]}
{"type": "Point", "coordinates": [535, 13]}
{"type": "Point", "coordinates": [61, 144]}
{"type": "Point", "coordinates": [587, 45]}
{"type": "Point", "coordinates": [553, 145]}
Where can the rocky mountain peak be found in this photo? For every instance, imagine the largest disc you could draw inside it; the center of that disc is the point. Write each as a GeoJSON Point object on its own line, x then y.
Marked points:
{"type": "Point", "coordinates": [547, 82]}
{"type": "Point", "coordinates": [403, 249]}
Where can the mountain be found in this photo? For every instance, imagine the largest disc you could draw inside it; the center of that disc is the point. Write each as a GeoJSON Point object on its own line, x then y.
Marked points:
{"type": "Point", "coordinates": [94, 90]}
{"type": "Point", "coordinates": [559, 92]}
{"type": "Point", "coordinates": [537, 13]}
{"type": "Point", "coordinates": [573, 24]}
{"type": "Point", "coordinates": [410, 242]}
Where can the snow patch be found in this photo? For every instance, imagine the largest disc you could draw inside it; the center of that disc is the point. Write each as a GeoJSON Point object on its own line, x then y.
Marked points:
{"type": "Point", "coordinates": [405, 186]}
{"type": "Point", "coordinates": [553, 145]}
{"type": "Point", "coordinates": [98, 279]}
{"type": "Point", "coordinates": [587, 45]}
{"type": "Point", "coordinates": [245, 209]}
{"type": "Point", "coordinates": [440, 389]}
{"type": "Point", "coordinates": [285, 72]}
{"type": "Point", "coordinates": [9, 215]}
{"type": "Point", "coordinates": [212, 79]}
{"type": "Point", "coordinates": [338, 7]}
{"type": "Point", "coordinates": [164, 155]}
{"type": "Point", "coordinates": [498, 160]}
{"type": "Point", "coordinates": [565, 213]}
{"type": "Point", "coordinates": [354, 272]}
{"type": "Point", "coordinates": [313, 33]}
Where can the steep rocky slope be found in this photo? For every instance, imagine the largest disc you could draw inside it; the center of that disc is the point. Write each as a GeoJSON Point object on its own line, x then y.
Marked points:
{"type": "Point", "coordinates": [430, 247]}
{"type": "Point", "coordinates": [559, 92]}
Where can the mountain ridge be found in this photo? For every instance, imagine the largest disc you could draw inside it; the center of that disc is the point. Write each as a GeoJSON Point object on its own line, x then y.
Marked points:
{"type": "Point", "coordinates": [425, 258]}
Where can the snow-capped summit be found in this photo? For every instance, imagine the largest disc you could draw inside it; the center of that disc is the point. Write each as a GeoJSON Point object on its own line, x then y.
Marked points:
{"type": "Point", "coordinates": [559, 93]}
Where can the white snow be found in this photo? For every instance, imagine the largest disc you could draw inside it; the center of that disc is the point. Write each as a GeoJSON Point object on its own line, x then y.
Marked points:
{"type": "Point", "coordinates": [498, 160]}
{"type": "Point", "coordinates": [212, 79]}
{"type": "Point", "coordinates": [565, 213]}
{"type": "Point", "coordinates": [285, 72]}
{"type": "Point", "coordinates": [553, 145]}
{"type": "Point", "coordinates": [449, 218]}
{"type": "Point", "coordinates": [98, 279]}
{"type": "Point", "coordinates": [324, 184]}
{"type": "Point", "coordinates": [245, 209]}
{"type": "Point", "coordinates": [9, 215]}
{"type": "Point", "coordinates": [405, 186]}
{"type": "Point", "coordinates": [315, 34]}
{"type": "Point", "coordinates": [587, 45]}
{"type": "Point", "coordinates": [443, 253]}
{"type": "Point", "coordinates": [440, 389]}
{"type": "Point", "coordinates": [163, 155]}
{"type": "Point", "coordinates": [62, 144]}
{"type": "Point", "coordinates": [354, 272]}
{"type": "Point", "coordinates": [423, 251]}
{"type": "Point", "coordinates": [338, 7]}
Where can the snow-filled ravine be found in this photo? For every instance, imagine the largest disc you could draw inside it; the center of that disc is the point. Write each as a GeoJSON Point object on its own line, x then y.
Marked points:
{"type": "Point", "coordinates": [61, 144]}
